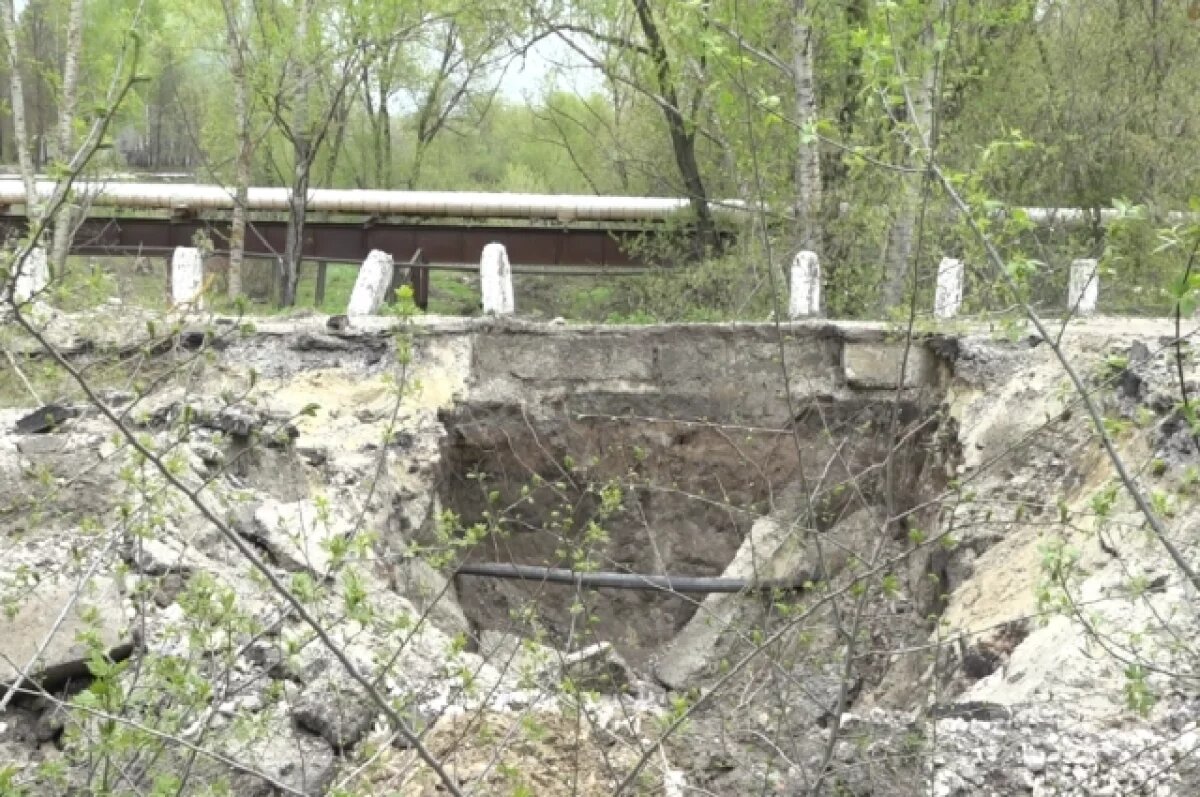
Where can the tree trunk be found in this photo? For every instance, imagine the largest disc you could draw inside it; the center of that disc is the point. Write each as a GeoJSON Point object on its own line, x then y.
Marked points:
{"type": "Point", "coordinates": [808, 156]}
{"type": "Point", "coordinates": [241, 112]}
{"type": "Point", "coordinates": [302, 159]}
{"type": "Point", "coordinates": [297, 211]}
{"type": "Point", "coordinates": [920, 137]}
{"type": "Point", "coordinates": [683, 140]}
{"type": "Point", "coordinates": [17, 96]}
{"type": "Point", "coordinates": [65, 223]}
{"type": "Point", "coordinates": [340, 124]}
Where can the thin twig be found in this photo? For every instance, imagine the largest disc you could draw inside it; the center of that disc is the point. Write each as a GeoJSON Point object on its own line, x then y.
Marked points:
{"type": "Point", "coordinates": [20, 375]}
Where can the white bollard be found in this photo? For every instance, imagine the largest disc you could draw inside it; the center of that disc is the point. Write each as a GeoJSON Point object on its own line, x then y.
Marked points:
{"type": "Point", "coordinates": [187, 278]}
{"type": "Point", "coordinates": [947, 298]}
{"type": "Point", "coordinates": [1084, 288]}
{"type": "Point", "coordinates": [372, 284]}
{"type": "Point", "coordinates": [33, 276]}
{"type": "Point", "coordinates": [805, 298]}
{"type": "Point", "coordinates": [495, 280]}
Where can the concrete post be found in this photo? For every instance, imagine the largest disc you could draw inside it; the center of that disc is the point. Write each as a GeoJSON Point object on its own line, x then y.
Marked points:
{"type": "Point", "coordinates": [1084, 288]}
{"type": "Point", "coordinates": [187, 278]}
{"type": "Point", "coordinates": [495, 280]}
{"type": "Point", "coordinates": [805, 299]}
{"type": "Point", "coordinates": [947, 298]}
{"type": "Point", "coordinates": [33, 277]}
{"type": "Point", "coordinates": [372, 284]}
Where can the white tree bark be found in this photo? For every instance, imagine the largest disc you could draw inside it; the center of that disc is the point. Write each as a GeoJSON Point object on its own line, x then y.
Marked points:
{"type": "Point", "coordinates": [241, 112]}
{"type": "Point", "coordinates": [808, 154]}
{"type": "Point", "coordinates": [302, 158]}
{"type": "Point", "coordinates": [64, 145]}
{"type": "Point", "coordinates": [14, 51]}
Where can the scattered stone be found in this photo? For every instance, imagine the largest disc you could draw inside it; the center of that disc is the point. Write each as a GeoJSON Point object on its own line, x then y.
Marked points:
{"type": "Point", "coordinates": [596, 668]}
{"type": "Point", "coordinates": [45, 419]}
{"type": "Point", "coordinates": [51, 723]}
{"type": "Point", "coordinates": [338, 709]}
{"type": "Point", "coordinates": [296, 534]}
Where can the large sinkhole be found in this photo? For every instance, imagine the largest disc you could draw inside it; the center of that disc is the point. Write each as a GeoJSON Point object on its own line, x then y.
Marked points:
{"type": "Point", "coordinates": [655, 497]}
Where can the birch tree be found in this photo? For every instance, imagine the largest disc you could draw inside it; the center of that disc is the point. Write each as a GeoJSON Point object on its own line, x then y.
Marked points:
{"type": "Point", "coordinates": [15, 59]}
{"type": "Point", "coordinates": [808, 156]}
{"type": "Point", "coordinates": [64, 225]}
{"type": "Point", "coordinates": [919, 138]}
{"type": "Point", "coordinates": [237, 45]}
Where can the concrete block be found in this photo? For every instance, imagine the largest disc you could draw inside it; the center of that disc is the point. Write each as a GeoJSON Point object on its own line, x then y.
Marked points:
{"type": "Point", "coordinates": [805, 298]}
{"type": "Point", "coordinates": [63, 655]}
{"type": "Point", "coordinates": [187, 278]}
{"type": "Point", "coordinates": [495, 280]}
{"type": "Point", "coordinates": [1084, 288]}
{"type": "Point", "coordinates": [876, 366]}
{"type": "Point", "coordinates": [772, 550]}
{"type": "Point", "coordinates": [372, 284]}
{"type": "Point", "coordinates": [33, 277]}
{"type": "Point", "coordinates": [949, 293]}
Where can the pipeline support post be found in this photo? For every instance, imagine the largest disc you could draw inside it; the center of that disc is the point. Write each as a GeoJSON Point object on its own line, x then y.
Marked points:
{"type": "Point", "coordinates": [1083, 292]}
{"type": "Point", "coordinates": [32, 277]}
{"type": "Point", "coordinates": [374, 279]}
{"type": "Point", "coordinates": [495, 281]}
{"type": "Point", "coordinates": [947, 299]}
{"type": "Point", "coordinates": [805, 295]}
{"type": "Point", "coordinates": [187, 278]}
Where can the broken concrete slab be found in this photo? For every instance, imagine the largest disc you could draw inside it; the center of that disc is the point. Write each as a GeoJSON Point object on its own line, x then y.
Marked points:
{"type": "Point", "coordinates": [35, 635]}
{"type": "Point", "coordinates": [774, 549]}
{"type": "Point", "coordinates": [296, 534]}
{"type": "Point", "coordinates": [432, 593]}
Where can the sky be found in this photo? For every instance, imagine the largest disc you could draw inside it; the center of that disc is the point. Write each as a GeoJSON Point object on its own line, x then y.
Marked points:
{"type": "Point", "coordinates": [527, 78]}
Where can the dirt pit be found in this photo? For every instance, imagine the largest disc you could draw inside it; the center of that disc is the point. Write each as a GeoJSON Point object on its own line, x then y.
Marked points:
{"type": "Point", "coordinates": [651, 497]}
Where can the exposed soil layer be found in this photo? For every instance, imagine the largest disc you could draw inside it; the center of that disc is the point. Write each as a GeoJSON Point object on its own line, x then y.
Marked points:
{"type": "Point", "coordinates": [682, 495]}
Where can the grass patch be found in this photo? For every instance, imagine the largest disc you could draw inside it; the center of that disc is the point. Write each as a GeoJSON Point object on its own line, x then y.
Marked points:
{"type": "Point", "coordinates": [453, 293]}
{"type": "Point", "coordinates": [90, 282]}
